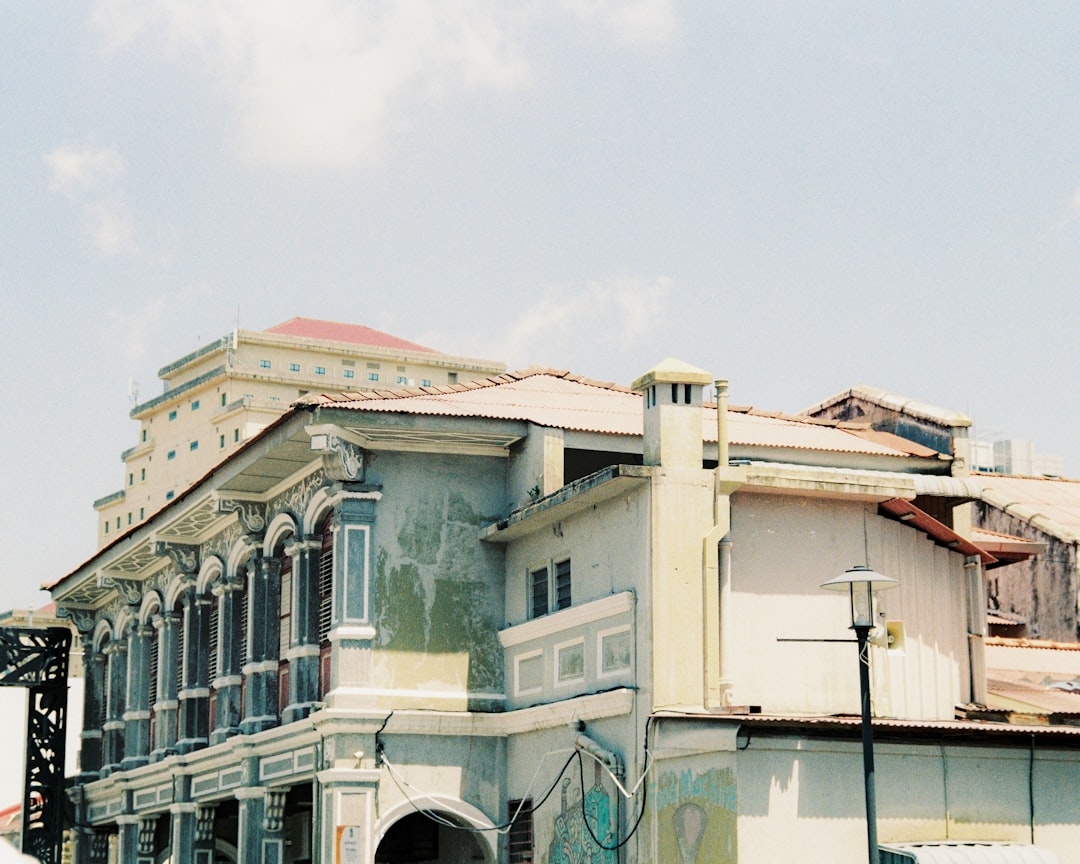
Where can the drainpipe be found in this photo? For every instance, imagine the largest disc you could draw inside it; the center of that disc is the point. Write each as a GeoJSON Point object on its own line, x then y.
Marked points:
{"type": "Point", "coordinates": [717, 567]}
{"type": "Point", "coordinates": [976, 628]}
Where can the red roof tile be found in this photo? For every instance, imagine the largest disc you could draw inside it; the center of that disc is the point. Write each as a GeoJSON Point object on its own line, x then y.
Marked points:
{"type": "Point", "coordinates": [332, 331]}
{"type": "Point", "coordinates": [555, 398]}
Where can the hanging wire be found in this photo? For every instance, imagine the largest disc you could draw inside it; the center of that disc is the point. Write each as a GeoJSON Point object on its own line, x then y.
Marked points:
{"type": "Point", "coordinates": [401, 783]}
{"type": "Point", "coordinates": [641, 811]}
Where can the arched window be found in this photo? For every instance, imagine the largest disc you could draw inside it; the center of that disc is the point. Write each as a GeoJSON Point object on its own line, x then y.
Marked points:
{"type": "Point", "coordinates": [212, 672]}
{"type": "Point", "coordinates": [326, 599]}
{"type": "Point", "coordinates": [154, 664]}
{"type": "Point", "coordinates": [285, 630]}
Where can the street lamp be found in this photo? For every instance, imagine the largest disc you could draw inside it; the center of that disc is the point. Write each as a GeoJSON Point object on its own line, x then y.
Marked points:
{"type": "Point", "coordinates": [860, 583]}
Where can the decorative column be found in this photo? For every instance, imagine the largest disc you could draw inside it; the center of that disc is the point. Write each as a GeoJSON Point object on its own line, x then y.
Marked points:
{"type": "Point", "coordinates": [165, 711]}
{"type": "Point", "coordinates": [351, 632]}
{"type": "Point", "coordinates": [303, 654]}
{"type": "Point", "coordinates": [264, 627]}
{"type": "Point", "coordinates": [250, 834]}
{"type": "Point", "coordinates": [129, 825]}
{"type": "Point", "coordinates": [230, 657]}
{"type": "Point", "coordinates": [194, 692]}
{"type": "Point", "coordinates": [95, 668]}
{"type": "Point", "coordinates": [116, 687]}
{"type": "Point", "coordinates": [137, 715]}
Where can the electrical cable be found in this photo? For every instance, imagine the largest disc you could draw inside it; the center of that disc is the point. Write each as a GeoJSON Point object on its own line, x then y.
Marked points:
{"type": "Point", "coordinates": [641, 812]}
{"type": "Point", "coordinates": [401, 783]}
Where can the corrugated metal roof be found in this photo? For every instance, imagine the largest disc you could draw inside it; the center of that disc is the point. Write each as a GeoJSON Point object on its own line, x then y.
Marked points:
{"type": "Point", "coordinates": [333, 331]}
{"type": "Point", "coordinates": [555, 398]}
{"type": "Point", "coordinates": [1039, 691]}
{"type": "Point", "coordinates": [882, 725]}
{"type": "Point", "coordinates": [1050, 504]}
{"type": "Point", "coordinates": [965, 852]}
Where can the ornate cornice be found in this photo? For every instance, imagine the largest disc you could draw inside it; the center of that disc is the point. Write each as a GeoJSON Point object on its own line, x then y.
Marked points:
{"type": "Point", "coordinates": [250, 514]}
{"type": "Point", "coordinates": [130, 590]}
{"type": "Point", "coordinates": [184, 556]}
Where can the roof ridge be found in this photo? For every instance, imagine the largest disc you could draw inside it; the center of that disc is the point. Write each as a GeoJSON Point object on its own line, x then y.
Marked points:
{"type": "Point", "coordinates": [507, 377]}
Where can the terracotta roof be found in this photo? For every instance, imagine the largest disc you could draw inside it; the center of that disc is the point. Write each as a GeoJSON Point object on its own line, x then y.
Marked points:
{"type": "Point", "coordinates": [555, 398]}
{"type": "Point", "coordinates": [332, 331]}
{"type": "Point", "coordinates": [940, 533]}
{"type": "Point", "coordinates": [1006, 547]}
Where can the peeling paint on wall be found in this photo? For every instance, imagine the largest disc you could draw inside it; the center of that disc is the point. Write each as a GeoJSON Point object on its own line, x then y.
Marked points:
{"type": "Point", "coordinates": [434, 593]}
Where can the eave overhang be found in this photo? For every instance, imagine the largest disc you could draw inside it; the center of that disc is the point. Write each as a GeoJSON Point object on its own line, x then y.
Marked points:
{"type": "Point", "coordinates": [602, 485]}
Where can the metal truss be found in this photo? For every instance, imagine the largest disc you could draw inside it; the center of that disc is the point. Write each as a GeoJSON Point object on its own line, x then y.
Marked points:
{"type": "Point", "coordinates": [38, 660]}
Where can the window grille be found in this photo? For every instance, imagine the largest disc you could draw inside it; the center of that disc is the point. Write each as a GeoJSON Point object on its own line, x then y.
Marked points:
{"type": "Point", "coordinates": [562, 584]}
{"type": "Point", "coordinates": [180, 649]}
{"type": "Point", "coordinates": [539, 591]}
{"type": "Point", "coordinates": [326, 585]}
{"type": "Point", "coordinates": [155, 652]}
{"type": "Point", "coordinates": [520, 839]}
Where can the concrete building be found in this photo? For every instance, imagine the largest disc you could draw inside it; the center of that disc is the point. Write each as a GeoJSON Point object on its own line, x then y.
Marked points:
{"type": "Point", "coordinates": [222, 394]}
{"type": "Point", "coordinates": [535, 618]}
{"type": "Point", "coordinates": [1031, 519]}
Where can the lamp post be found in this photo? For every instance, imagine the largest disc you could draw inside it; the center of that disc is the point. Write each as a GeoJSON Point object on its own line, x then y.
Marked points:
{"type": "Point", "coordinates": [860, 583]}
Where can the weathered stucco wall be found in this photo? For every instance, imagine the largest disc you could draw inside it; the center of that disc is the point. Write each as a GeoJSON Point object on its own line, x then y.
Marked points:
{"type": "Point", "coordinates": [784, 548]}
{"type": "Point", "coordinates": [1041, 590]}
{"type": "Point", "coordinates": [807, 794]}
{"type": "Point", "coordinates": [437, 594]}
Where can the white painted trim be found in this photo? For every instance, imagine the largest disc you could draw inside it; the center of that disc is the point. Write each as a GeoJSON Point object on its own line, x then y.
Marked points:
{"type": "Point", "coordinates": [559, 648]}
{"type": "Point", "coordinates": [340, 634]}
{"type": "Point", "coordinates": [603, 634]}
{"type": "Point", "coordinates": [565, 619]}
{"type": "Point", "coordinates": [527, 655]}
{"type": "Point", "coordinates": [365, 586]}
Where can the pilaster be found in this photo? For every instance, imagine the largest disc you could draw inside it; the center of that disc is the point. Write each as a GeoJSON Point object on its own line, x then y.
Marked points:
{"type": "Point", "coordinates": [261, 666]}
{"type": "Point", "coordinates": [166, 723]}
{"type": "Point", "coordinates": [137, 714]}
{"type": "Point", "coordinates": [303, 655]}
{"type": "Point", "coordinates": [194, 693]}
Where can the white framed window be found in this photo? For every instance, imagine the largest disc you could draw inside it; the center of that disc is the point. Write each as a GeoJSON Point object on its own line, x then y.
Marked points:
{"type": "Point", "coordinates": [320, 370]}
{"type": "Point", "coordinates": [549, 588]}
{"type": "Point", "coordinates": [401, 379]}
{"type": "Point", "coordinates": [348, 373]}
{"type": "Point", "coordinates": [372, 376]}
{"type": "Point", "coordinates": [264, 364]}
{"type": "Point", "coordinates": [570, 662]}
{"type": "Point", "coordinates": [294, 367]}
{"type": "Point", "coordinates": [529, 673]}
{"type": "Point", "coordinates": [425, 382]}
{"type": "Point", "coordinates": [615, 651]}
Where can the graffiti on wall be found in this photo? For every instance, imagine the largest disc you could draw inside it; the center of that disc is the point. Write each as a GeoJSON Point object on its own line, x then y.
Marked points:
{"type": "Point", "coordinates": [696, 816]}
{"type": "Point", "coordinates": [571, 841]}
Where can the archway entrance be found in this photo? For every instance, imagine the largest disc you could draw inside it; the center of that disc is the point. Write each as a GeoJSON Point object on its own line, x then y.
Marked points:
{"type": "Point", "coordinates": [417, 839]}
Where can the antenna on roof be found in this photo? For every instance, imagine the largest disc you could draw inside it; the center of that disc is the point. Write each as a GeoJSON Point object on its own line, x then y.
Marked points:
{"type": "Point", "coordinates": [133, 390]}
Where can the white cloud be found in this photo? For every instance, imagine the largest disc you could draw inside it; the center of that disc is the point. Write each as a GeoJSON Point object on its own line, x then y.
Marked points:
{"type": "Point", "coordinates": [79, 171]}
{"type": "Point", "coordinates": [638, 22]}
{"type": "Point", "coordinates": [91, 178]}
{"type": "Point", "coordinates": [132, 329]}
{"type": "Point", "coordinates": [110, 227]}
{"type": "Point", "coordinates": [573, 326]}
{"type": "Point", "coordinates": [328, 83]}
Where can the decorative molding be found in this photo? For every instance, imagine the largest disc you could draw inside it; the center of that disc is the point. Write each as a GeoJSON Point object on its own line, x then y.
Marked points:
{"type": "Point", "coordinates": [341, 459]}
{"type": "Point", "coordinates": [295, 500]}
{"type": "Point", "coordinates": [204, 823]}
{"type": "Point", "coordinates": [185, 556]}
{"type": "Point", "coordinates": [250, 514]}
{"type": "Point", "coordinates": [274, 810]}
{"type": "Point", "coordinates": [130, 590]}
{"type": "Point", "coordinates": [83, 619]}
{"type": "Point", "coordinates": [566, 619]}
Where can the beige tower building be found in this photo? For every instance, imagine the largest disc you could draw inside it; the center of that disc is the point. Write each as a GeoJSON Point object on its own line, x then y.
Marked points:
{"type": "Point", "coordinates": [222, 394]}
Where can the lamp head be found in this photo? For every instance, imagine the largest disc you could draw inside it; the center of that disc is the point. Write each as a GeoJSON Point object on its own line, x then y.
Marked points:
{"type": "Point", "coordinates": [860, 583]}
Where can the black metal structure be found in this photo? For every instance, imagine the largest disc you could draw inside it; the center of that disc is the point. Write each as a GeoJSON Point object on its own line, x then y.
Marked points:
{"type": "Point", "coordinates": [38, 661]}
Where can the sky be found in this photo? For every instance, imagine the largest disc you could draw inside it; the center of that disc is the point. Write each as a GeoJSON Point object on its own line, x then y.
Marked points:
{"type": "Point", "coordinates": [799, 197]}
